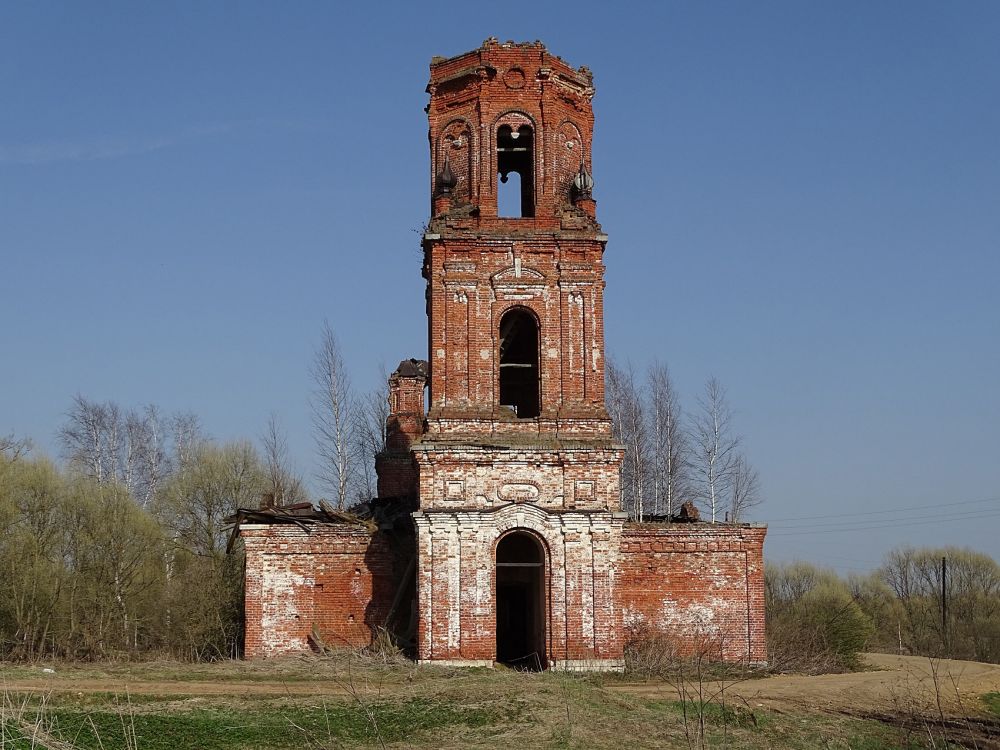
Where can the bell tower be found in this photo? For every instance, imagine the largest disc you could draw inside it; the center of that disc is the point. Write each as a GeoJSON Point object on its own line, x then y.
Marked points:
{"type": "Point", "coordinates": [513, 251]}
{"type": "Point", "coordinates": [517, 438]}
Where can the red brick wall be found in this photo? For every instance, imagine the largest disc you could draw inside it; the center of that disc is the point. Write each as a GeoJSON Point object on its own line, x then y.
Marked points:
{"type": "Point", "coordinates": [394, 466]}
{"type": "Point", "coordinates": [700, 583]}
{"type": "Point", "coordinates": [340, 578]}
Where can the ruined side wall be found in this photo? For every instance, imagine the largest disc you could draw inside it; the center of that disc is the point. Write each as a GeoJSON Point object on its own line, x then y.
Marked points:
{"type": "Point", "coordinates": [340, 578]}
{"type": "Point", "coordinates": [701, 583]}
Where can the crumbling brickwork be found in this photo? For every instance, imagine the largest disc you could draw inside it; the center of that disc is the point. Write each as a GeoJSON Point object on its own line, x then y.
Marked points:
{"type": "Point", "coordinates": [339, 579]}
{"type": "Point", "coordinates": [518, 550]}
{"type": "Point", "coordinates": [702, 584]}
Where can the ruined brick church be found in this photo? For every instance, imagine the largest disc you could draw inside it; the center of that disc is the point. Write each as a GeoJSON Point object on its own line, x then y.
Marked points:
{"type": "Point", "coordinates": [497, 535]}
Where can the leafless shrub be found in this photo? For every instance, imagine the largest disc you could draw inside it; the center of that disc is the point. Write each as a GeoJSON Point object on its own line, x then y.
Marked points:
{"type": "Point", "coordinates": [693, 666]}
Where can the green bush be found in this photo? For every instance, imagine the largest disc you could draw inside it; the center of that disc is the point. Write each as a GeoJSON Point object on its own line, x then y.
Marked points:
{"type": "Point", "coordinates": [813, 622]}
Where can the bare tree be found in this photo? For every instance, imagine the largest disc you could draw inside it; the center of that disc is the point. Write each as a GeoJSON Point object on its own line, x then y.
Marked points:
{"type": "Point", "coordinates": [110, 445]}
{"type": "Point", "coordinates": [332, 407]}
{"type": "Point", "coordinates": [628, 421]}
{"type": "Point", "coordinates": [714, 447]}
{"type": "Point", "coordinates": [667, 454]}
{"type": "Point", "coordinates": [12, 449]}
{"type": "Point", "coordinates": [84, 438]}
{"type": "Point", "coordinates": [284, 484]}
{"type": "Point", "coordinates": [744, 489]}
{"type": "Point", "coordinates": [187, 434]}
{"type": "Point", "coordinates": [370, 414]}
{"type": "Point", "coordinates": [147, 463]}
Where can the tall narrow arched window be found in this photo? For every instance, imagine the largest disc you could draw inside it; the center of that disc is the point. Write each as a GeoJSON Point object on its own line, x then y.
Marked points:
{"type": "Point", "coordinates": [518, 370]}
{"type": "Point", "coordinates": [516, 154]}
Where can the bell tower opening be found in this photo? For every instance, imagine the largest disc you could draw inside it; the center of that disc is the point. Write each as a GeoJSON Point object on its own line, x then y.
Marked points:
{"type": "Point", "coordinates": [515, 155]}
{"type": "Point", "coordinates": [520, 602]}
{"type": "Point", "coordinates": [518, 374]}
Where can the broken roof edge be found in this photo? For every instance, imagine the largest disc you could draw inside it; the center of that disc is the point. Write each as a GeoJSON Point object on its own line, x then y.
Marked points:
{"type": "Point", "coordinates": [412, 368]}
{"type": "Point", "coordinates": [444, 68]}
{"type": "Point", "coordinates": [700, 524]}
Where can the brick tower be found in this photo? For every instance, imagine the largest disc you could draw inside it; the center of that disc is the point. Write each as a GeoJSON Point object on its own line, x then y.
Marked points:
{"type": "Point", "coordinates": [518, 526]}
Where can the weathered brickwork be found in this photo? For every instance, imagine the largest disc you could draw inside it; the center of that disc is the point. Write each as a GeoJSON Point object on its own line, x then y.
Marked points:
{"type": "Point", "coordinates": [518, 551]}
{"type": "Point", "coordinates": [701, 583]}
{"type": "Point", "coordinates": [339, 579]}
{"type": "Point", "coordinates": [457, 580]}
{"type": "Point", "coordinates": [479, 266]}
{"type": "Point", "coordinates": [395, 466]}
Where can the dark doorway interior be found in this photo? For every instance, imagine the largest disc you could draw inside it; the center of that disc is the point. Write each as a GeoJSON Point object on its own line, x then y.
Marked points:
{"type": "Point", "coordinates": [520, 602]}
{"type": "Point", "coordinates": [519, 363]}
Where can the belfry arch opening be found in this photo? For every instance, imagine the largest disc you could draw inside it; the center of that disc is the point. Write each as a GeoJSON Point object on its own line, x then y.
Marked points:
{"type": "Point", "coordinates": [518, 369]}
{"type": "Point", "coordinates": [515, 156]}
{"type": "Point", "coordinates": [520, 602]}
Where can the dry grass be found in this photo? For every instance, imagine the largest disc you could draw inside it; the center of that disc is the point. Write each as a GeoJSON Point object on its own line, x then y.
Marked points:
{"type": "Point", "coordinates": [383, 701]}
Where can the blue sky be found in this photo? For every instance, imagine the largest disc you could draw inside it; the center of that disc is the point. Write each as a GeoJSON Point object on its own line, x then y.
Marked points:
{"type": "Point", "coordinates": [803, 200]}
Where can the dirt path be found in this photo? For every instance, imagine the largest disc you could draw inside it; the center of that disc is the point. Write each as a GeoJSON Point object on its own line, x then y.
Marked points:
{"type": "Point", "coordinates": [897, 683]}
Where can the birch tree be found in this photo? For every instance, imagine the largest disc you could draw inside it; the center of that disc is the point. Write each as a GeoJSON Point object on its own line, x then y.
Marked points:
{"type": "Point", "coordinates": [107, 444]}
{"type": "Point", "coordinates": [146, 463]}
{"type": "Point", "coordinates": [332, 406]}
{"type": "Point", "coordinates": [667, 457]}
{"type": "Point", "coordinates": [625, 407]}
{"type": "Point", "coordinates": [714, 447]}
{"type": "Point", "coordinates": [185, 428]}
{"type": "Point", "coordinates": [744, 489]}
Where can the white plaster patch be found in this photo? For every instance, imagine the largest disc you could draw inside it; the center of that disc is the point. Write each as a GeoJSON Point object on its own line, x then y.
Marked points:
{"type": "Point", "coordinates": [696, 618]}
{"type": "Point", "coordinates": [633, 620]}
{"type": "Point", "coordinates": [278, 606]}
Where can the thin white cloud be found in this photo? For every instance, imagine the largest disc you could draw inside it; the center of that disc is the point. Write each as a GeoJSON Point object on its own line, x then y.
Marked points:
{"type": "Point", "coordinates": [102, 148]}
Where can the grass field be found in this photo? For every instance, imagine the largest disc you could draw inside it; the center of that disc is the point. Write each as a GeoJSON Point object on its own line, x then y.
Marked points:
{"type": "Point", "coordinates": [354, 701]}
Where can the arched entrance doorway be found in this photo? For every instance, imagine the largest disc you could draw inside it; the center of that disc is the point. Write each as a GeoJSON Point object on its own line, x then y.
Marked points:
{"type": "Point", "coordinates": [520, 601]}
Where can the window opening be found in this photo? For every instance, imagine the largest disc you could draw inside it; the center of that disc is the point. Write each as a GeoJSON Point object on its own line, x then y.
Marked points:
{"type": "Point", "coordinates": [509, 196]}
{"type": "Point", "coordinates": [520, 602]}
{"type": "Point", "coordinates": [519, 363]}
{"type": "Point", "coordinates": [515, 155]}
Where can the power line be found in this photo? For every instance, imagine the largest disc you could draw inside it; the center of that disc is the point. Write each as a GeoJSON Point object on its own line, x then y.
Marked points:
{"type": "Point", "coordinates": [854, 519]}
{"type": "Point", "coordinates": [838, 559]}
{"type": "Point", "coordinates": [899, 510]}
{"type": "Point", "coordinates": [889, 525]}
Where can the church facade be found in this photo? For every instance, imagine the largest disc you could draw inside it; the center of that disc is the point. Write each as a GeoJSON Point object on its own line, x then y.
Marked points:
{"type": "Point", "coordinates": [498, 535]}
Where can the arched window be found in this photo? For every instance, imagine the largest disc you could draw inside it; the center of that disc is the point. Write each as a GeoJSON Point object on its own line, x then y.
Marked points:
{"type": "Point", "coordinates": [516, 154]}
{"type": "Point", "coordinates": [518, 374]}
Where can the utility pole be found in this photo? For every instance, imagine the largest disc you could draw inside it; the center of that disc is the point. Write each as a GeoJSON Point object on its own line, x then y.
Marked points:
{"type": "Point", "coordinates": [944, 603]}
